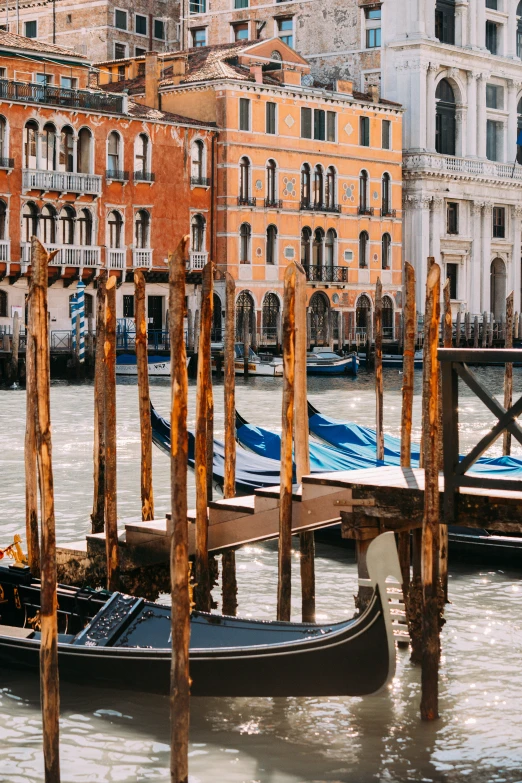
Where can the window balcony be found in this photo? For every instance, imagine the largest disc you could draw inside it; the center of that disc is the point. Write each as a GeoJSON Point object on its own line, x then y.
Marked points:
{"type": "Point", "coordinates": [112, 175]}
{"type": "Point", "coordinates": [200, 182]}
{"type": "Point", "coordinates": [68, 255]}
{"type": "Point", "coordinates": [319, 206]}
{"type": "Point", "coordinates": [26, 92]}
{"type": "Point", "coordinates": [6, 163]}
{"type": "Point", "coordinates": [273, 203]}
{"type": "Point", "coordinates": [326, 274]}
{"type": "Point", "coordinates": [366, 211]}
{"type": "Point", "coordinates": [433, 164]}
{"type": "Point", "coordinates": [5, 250]}
{"type": "Point", "coordinates": [142, 258]}
{"type": "Point", "coordinates": [388, 213]}
{"type": "Point", "coordinates": [197, 261]}
{"type": "Point", "coordinates": [144, 176]}
{"type": "Point", "coordinates": [246, 201]}
{"type": "Point", "coordinates": [62, 182]}
{"type": "Point", "coordinates": [116, 258]}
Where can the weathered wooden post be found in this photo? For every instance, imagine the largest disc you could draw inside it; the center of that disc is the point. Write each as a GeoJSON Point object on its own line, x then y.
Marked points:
{"type": "Point", "coordinates": [476, 332]}
{"type": "Point", "coordinates": [147, 495]}
{"type": "Point", "coordinates": [210, 425]}
{"type": "Point", "coordinates": [379, 424]}
{"type": "Point", "coordinates": [49, 680]}
{"type": "Point", "coordinates": [447, 342]}
{"type": "Point", "coordinates": [190, 330]}
{"type": "Point", "coordinates": [201, 576]}
{"type": "Point", "coordinates": [284, 586]}
{"type": "Point", "coordinates": [31, 482]}
{"type": "Point", "coordinates": [98, 509]}
{"type": "Point", "coordinates": [515, 327]}
{"type": "Point", "coordinates": [90, 340]}
{"type": "Point", "coordinates": [229, 580]}
{"type": "Point", "coordinates": [15, 349]}
{"type": "Point", "coordinates": [484, 329]}
{"type": "Point", "coordinates": [508, 376]}
{"type": "Point", "coordinates": [491, 328]}
{"type": "Point", "coordinates": [179, 562]}
{"type": "Point", "coordinates": [246, 344]}
{"type": "Point", "coordinates": [467, 328]}
{"type": "Point", "coordinates": [457, 330]}
{"type": "Point", "coordinates": [431, 520]}
{"type": "Point", "coordinates": [111, 511]}
{"type": "Point", "coordinates": [302, 446]}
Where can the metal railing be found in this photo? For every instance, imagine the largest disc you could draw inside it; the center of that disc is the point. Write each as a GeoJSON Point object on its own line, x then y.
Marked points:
{"type": "Point", "coordinates": [385, 212]}
{"type": "Point", "coordinates": [365, 210]}
{"type": "Point", "coordinates": [68, 255]}
{"type": "Point", "coordinates": [144, 176]}
{"type": "Point", "coordinates": [98, 101]}
{"type": "Point", "coordinates": [5, 249]}
{"type": "Point", "coordinates": [157, 339]}
{"type": "Point", "coordinates": [142, 258]}
{"type": "Point", "coordinates": [117, 176]}
{"type": "Point", "coordinates": [116, 258]}
{"type": "Point", "coordinates": [197, 260]}
{"type": "Point", "coordinates": [275, 203]}
{"type": "Point", "coordinates": [203, 182]}
{"type": "Point", "coordinates": [61, 340]}
{"type": "Point", "coordinates": [327, 274]}
{"type": "Point", "coordinates": [6, 163]}
{"type": "Point", "coordinates": [246, 201]}
{"type": "Point", "coordinates": [319, 206]}
{"type": "Point", "coordinates": [62, 181]}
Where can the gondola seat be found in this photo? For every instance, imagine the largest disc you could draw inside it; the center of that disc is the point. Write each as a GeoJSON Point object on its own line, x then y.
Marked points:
{"type": "Point", "coordinates": [16, 633]}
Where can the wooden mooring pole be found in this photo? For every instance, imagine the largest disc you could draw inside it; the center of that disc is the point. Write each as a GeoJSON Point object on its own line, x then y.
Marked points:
{"type": "Point", "coordinates": [98, 509]}
{"type": "Point", "coordinates": [202, 583]}
{"type": "Point", "coordinates": [111, 511]}
{"type": "Point", "coordinates": [13, 372]}
{"type": "Point", "coordinates": [284, 585]}
{"type": "Point", "coordinates": [179, 562]}
{"type": "Point", "coordinates": [379, 423]}
{"type": "Point", "coordinates": [49, 680]}
{"type": "Point", "coordinates": [447, 338]}
{"type": "Point", "coordinates": [431, 520]}
{"type": "Point", "coordinates": [31, 480]}
{"type": "Point", "coordinates": [147, 496]}
{"type": "Point", "coordinates": [508, 377]}
{"type": "Point", "coordinates": [302, 445]}
{"type": "Point", "coordinates": [229, 579]}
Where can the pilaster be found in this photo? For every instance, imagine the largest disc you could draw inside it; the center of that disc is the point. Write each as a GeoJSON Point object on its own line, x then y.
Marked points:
{"type": "Point", "coordinates": [516, 276]}
{"type": "Point", "coordinates": [485, 293]}
{"type": "Point", "coordinates": [471, 141]}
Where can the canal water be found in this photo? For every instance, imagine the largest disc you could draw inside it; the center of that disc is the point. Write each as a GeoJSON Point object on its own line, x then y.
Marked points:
{"type": "Point", "coordinates": [108, 736]}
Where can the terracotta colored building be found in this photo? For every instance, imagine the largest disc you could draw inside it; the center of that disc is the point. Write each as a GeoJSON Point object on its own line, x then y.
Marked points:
{"type": "Point", "coordinates": [304, 172]}
{"type": "Point", "coordinates": [104, 180]}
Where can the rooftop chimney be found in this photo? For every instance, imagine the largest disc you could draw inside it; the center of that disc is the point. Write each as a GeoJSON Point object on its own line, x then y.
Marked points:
{"type": "Point", "coordinates": [179, 68]}
{"type": "Point", "coordinates": [151, 80]}
{"type": "Point", "coordinates": [257, 73]}
{"type": "Point", "coordinates": [373, 92]}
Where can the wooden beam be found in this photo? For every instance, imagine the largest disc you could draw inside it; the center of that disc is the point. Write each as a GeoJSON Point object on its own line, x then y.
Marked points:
{"type": "Point", "coordinates": [99, 454]}
{"type": "Point", "coordinates": [229, 579]}
{"type": "Point", "coordinates": [147, 495]}
{"type": "Point", "coordinates": [111, 509]}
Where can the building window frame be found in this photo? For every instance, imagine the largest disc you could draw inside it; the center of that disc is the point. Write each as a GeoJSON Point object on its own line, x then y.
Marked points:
{"type": "Point", "coordinates": [146, 20]}
{"type": "Point", "coordinates": [196, 42]}
{"type": "Point", "coordinates": [124, 15]}
{"type": "Point", "coordinates": [30, 32]}
{"type": "Point", "coordinates": [499, 222]}
{"type": "Point", "coordinates": [245, 114]}
{"type": "Point", "coordinates": [364, 131]}
{"type": "Point", "coordinates": [271, 118]}
{"type": "Point", "coordinates": [452, 217]}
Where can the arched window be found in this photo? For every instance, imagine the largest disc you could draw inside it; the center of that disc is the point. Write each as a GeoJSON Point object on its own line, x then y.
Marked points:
{"type": "Point", "coordinates": [85, 227]}
{"type": "Point", "coordinates": [319, 316]}
{"type": "Point", "coordinates": [498, 288]}
{"type": "Point", "coordinates": [386, 251]}
{"type": "Point", "coordinates": [244, 314]}
{"type": "Point", "coordinates": [363, 312]}
{"type": "Point", "coordinates": [30, 144]}
{"type": "Point", "coordinates": [331, 236]}
{"type": "Point", "coordinates": [306, 238]}
{"type": "Point", "coordinates": [142, 229]}
{"type": "Point", "coordinates": [3, 304]}
{"type": "Point", "coordinates": [318, 186]}
{"type": "Point", "coordinates": [318, 247]}
{"type": "Point", "coordinates": [113, 153]}
{"type": "Point", "coordinates": [446, 123]}
{"type": "Point", "coordinates": [519, 30]}
{"type": "Point", "coordinates": [67, 149]}
{"type": "Point", "coordinates": [271, 241]}
{"type": "Point", "coordinates": [386, 200]}
{"type": "Point", "coordinates": [245, 235]}
{"type": "Point", "coordinates": [84, 151]}
{"type": "Point", "coordinates": [270, 315]}
{"type": "Point", "coordinates": [387, 317]}
{"type": "Point", "coordinates": [196, 158]}
{"type": "Point", "coordinates": [363, 192]}
{"type": "Point", "coordinates": [244, 180]}
{"type": "Point", "coordinates": [48, 225]}
{"type": "Point", "coordinates": [198, 234]}
{"type": "Point", "coordinates": [115, 225]}
{"type": "Point", "coordinates": [3, 220]}
{"type": "Point", "coordinates": [141, 156]}
{"type": "Point", "coordinates": [49, 147]}
{"type": "Point", "coordinates": [217, 320]}
{"type": "Point", "coordinates": [67, 216]}
{"type": "Point", "coordinates": [30, 221]}
{"type": "Point", "coordinates": [330, 188]}
{"type": "Point", "coordinates": [4, 152]}
{"type": "Point", "coordinates": [364, 249]}
{"type": "Point", "coordinates": [271, 191]}
{"type": "Point", "coordinates": [305, 185]}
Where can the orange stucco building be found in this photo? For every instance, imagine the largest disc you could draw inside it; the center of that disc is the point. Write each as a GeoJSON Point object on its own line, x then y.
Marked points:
{"type": "Point", "coordinates": [303, 172]}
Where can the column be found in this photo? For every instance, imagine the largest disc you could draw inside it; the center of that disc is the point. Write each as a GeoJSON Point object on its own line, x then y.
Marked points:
{"type": "Point", "coordinates": [472, 24]}
{"type": "Point", "coordinates": [430, 106]}
{"type": "Point", "coordinates": [418, 104]}
{"type": "Point", "coordinates": [437, 227]}
{"type": "Point", "coordinates": [480, 15]}
{"type": "Point", "coordinates": [429, 18]}
{"type": "Point", "coordinates": [481, 115]}
{"type": "Point", "coordinates": [471, 143]}
{"type": "Point", "coordinates": [485, 293]}
{"type": "Point", "coordinates": [511, 141]}
{"type": "Point", "coordinates": [461, 23]}
{"type": "Point", "coordinates": [516, 277]}
{"type": "Point", "coordinates": [75, 153]}
{"type": "Point", "coordinates": [474, 284]}
{"type": "Point", "coordinates": [511, 29]}
{"type": "Point", "coordinates": [460, 130]}
{"type": "Point", "coordinates": [418, 18]}
{"type": "Point", "coordinates": [417, 250]}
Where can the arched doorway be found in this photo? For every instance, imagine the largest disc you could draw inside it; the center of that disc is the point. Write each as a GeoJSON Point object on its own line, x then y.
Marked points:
{"type": "Point", "coordinates": [319, 313]}
{"type": "Point", "coordinates": [217, 322]}
{"type": "Point", "coordinates": [245, 310]}
{"type": "Point", "coordinates": [271, 309]}
{"type": "Point", "coordinates": [363, 313]}
{"type": "Point", "coordinates": [498, 288]}
{"type": "Point", "coordinates": [446, 113]}
{"type": "Point", "coordinates": [387, 318]}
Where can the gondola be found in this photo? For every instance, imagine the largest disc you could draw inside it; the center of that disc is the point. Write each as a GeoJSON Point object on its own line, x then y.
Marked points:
{"type": "Point", "coordinates": [123, 641]}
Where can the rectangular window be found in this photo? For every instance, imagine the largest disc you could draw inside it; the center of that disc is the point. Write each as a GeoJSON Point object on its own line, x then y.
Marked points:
{"type": "Point", "coordinates": [492, 37]}
{"type": "Point", "coordinates": [139, 52]}
{"type": "Point", "coordinates": [240, 31]}
{"type": "Point", "coordinates": [493, 4]}
{"type": "Point", "coordinates": [270, 117]}
{"type": "Point", "coordinates": [493, 140]}
{"type": "Point", "coordinates": [285, 29]}
{"type": "Point", "coordinates": [306, 123]}
{"type": "Point", "coordinates": [452, 218]}
{"type": "Point", "coordinates": [331, 119]}
{"type": "Point", "coordinates": [120, 19]}
{"type": "Point", "coordinates": [199, 36]}
{"type": "Point", "coordinates": [120, 51]}
{"type": "Point", "coordinates": [244, 114]}
{"type": "Point", "coordinates": [128, 306]}
{"type": "Point", "coordinates": [159, 29]}
{"type": "Point", "coordinates": [364, 131]}
{"type": "Point", "coordinates": [43, 78]}
{"type": "Point", "coordinates": [445, 21]}
{"type": "Point", "coordinates": [140, 23]}
{"type": "Point", "coordinates": [68, 82]}
{"type": "Point", "coordinates": [240, 3]}
{"type": "Point", "coordinates": [499, 223]}
{"type": "Point", "coordinates": [31, 29]}
{"type": "Point", "coordinates": [373, 13]}
{"type": "Point", "coordinates": [319, 129]}
{"type": "Point", "coordinates": [386, 135]}
{"type": "Point", "coordinates": [373, 38]}
{"type": "Point", "coordinates": [198, 6]}
{"type": "Point", "coordinates": [494, 96]}
{"type": "Point", "coordinates": [451, 275]}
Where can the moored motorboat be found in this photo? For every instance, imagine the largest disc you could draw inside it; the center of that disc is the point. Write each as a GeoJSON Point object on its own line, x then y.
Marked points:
{"type": "Point", "coordinates": [123, 641]}
{"type": "Point", "coordinates": [396, 360]}
{"type": "Point", "coordinates": [265, 365]}
{"type": "Point", "coordinates": [326, 362]}
{"type": "Point", "coordinates": [126, 364]}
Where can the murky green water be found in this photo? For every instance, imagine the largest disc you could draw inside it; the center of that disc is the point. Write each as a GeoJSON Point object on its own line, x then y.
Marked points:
{"type": "Point", "coordinates": [110, 736]}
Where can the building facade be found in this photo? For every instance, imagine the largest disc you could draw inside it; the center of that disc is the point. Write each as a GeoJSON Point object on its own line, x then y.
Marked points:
{"type": "Point", "coordinates": [303, 174]}
{"type": "Point", "coordinates": [103, 180]}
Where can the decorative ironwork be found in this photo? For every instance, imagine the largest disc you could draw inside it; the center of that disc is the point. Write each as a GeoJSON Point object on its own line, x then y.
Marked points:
{"type": "Point", "coordinates": [6, 163]}
{"type": "Point", "coordinates": [200, 182]}
{"type": "Point", "coordinates": [326, 274]}
{"type": "Point", "coordinates": [246, 201]}
{"type": "Point", "coordinates": [319, 206]}
{"type": "Point", "coordinates": [118, 176]}
{"type": "Point", "coordinates": [144, 176]}
{"type": "Point", "coordinates": [275, 203]}
{"type": "Point", "coordinates": [392, 213]}
{"type": "Point", "coordinates": [61, 96]}
{"type": "Point", "coordinates": [366, 211]}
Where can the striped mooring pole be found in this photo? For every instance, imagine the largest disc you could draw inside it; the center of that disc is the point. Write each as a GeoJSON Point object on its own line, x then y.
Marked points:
{"type": "Point", "coordinates": [74, 315]}
{"type": "Point", "coordinates": [80, 310]}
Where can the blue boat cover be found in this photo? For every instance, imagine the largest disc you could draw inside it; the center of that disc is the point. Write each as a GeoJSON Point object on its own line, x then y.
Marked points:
{"type": "Point", "coordinates": [130, 359]}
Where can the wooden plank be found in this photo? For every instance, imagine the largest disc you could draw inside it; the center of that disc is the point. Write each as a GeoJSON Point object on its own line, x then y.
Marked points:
{"type": "Point", "coordinates": [147, 496]}
{"type": "Point", "coordinates": [480, 356]}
